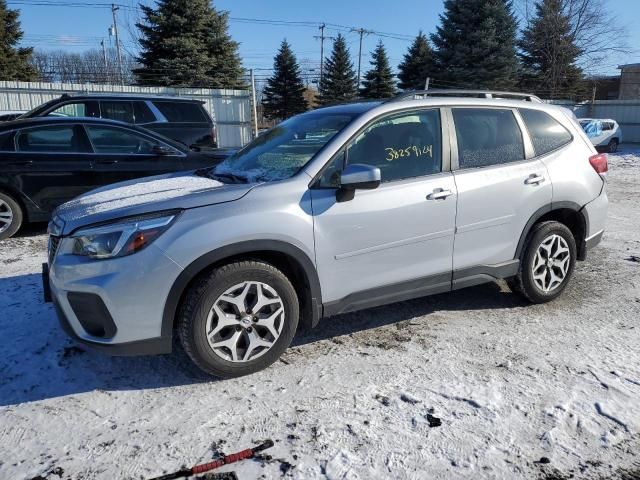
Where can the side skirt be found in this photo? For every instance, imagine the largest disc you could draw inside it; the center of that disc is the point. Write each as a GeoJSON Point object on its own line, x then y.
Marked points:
{"type": "Point", "coordinates": [421, 287]}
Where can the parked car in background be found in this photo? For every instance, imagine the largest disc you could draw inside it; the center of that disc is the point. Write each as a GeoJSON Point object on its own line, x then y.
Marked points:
{"type": "Point", "coordinates": [47, 161]}
{"type": "Point", "coordinates": [604, 134]}
{"type": "Point", "coordinates": [334, 210]}
{"type": "Point", "coordinates": [8, 115]}
{"type": "Point", "coordinates": [181, 119]}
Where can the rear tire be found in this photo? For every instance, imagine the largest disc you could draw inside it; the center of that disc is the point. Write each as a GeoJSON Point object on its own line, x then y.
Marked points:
{"type": "Point", "coordinates": [10, 216]}
{"type": "Point", "coordinates": [612, 147]}
{"type": "Point", "coordinates": [546, 263]}
{"type": "Point", "coordinates": [238, 319]}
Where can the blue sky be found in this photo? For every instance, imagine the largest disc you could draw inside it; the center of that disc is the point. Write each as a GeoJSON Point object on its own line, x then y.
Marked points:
{"type": "Point", "coordinates": [60, 25]}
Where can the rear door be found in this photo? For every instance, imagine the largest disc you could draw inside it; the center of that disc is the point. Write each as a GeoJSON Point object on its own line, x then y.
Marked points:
{"type": "Point", "coordinates": [51, 164]}
{"type": "Point", "coordinates": [500, 185]}
{"type": "Point", "coordinates": [185, 122]}
{"type": "Point", "coordinates": [123, 154]}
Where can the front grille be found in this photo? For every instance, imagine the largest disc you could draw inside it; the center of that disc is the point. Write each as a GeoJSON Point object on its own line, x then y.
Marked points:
{"type": "Point", "coordinates": [54, 243]}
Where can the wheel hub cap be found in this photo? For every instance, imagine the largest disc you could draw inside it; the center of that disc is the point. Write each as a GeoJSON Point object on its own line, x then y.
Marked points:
{"type": "Point", "coordinates": [245, 321]}
{"type": "Point", "coordinates": [551, 263]}
{"type": "Point", "coordinates": [6, 216]}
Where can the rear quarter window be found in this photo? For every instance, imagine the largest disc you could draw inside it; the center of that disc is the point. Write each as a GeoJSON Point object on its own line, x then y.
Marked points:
{"type": "Point", "coordinates": [182, 112]}
{"type": "Point", "coordinates": [547, 134]}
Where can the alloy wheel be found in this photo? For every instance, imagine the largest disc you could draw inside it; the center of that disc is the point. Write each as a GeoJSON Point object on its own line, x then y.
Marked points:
{"type": "Point", "coordinates": [551, 263]}
{"type": "Point", "coordinates": [245, 321]}
{"type": "Point", "coordinates": [6, 216]}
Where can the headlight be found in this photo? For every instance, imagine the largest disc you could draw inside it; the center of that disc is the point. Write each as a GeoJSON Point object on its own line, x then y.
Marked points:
{"type": "Point", "coordinates": [121, 238]}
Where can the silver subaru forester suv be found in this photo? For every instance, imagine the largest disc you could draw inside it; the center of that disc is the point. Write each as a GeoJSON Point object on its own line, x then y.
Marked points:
{"type": "Point", "coordinates": [334, 210]}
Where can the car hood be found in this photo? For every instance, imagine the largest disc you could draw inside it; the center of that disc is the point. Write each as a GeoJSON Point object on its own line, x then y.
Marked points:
{"type": "Point", "coordinates": [144, 195]}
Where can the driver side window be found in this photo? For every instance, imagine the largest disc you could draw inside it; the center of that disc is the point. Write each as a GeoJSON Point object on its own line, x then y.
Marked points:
{"type": "Point", "coordinates": [402, 146]}
{"type": "Point", "coordinates": [118, 141]}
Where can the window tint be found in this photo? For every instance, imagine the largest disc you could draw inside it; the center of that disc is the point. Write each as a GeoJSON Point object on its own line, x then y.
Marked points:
{"type": "Point", "coordinates": [118, 140]}
{"type": "Point", "coordinates": [6, 142]}
{"type": "Point", "coordinates": [607, 126]}
{"type": "Point", "coordinates": [122, 111]}
{"type": "Point", "coordinates": [487, 137]}
{"type": "Point", "coordinates": [76, 109]}
{"type": "Point", "coordinates": [142, 113]}
{"type": "Point", "coordinates": [181, 112]}
{"type": "Point", "coordinates": [66, 138]}
{"type": "Point", "coordinates": [546, 133]}
{"type": "Point", "coordinates": [402, 146]}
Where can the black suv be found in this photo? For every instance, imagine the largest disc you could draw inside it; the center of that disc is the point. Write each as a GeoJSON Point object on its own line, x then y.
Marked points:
{"type": "Point", "coordinates": [181, 119]}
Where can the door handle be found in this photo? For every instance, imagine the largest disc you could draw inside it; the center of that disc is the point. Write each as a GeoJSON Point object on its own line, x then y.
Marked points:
{"type": "Point", "coordinates": [107, 162]}
{"type": "Point", "coordinates": [534, 179]}
{"type": "Point", "coordinates": [439, 194]}
{"type": "Point", "coordinates": [20, 164]}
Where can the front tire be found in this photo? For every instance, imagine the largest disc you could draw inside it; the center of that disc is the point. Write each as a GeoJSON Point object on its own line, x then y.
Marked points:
{"type": "Point", "coordinates": [239, 319]}
{"type": "Point", "coordinates": [10, 216]}
{"type": "Point", "coordinates": [547, 262]}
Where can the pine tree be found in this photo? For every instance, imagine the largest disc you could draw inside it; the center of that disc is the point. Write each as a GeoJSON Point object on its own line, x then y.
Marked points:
{"type": "Point", "coordinates": [378, 81]}
{"type": "Point", "coordinates": [186, 43]}
{"type": "Point", "coordinates": [418, 64]}
{"type": "Point", "coordinates": [14, 61]}
{"type": "Point", "coordinates": [476, 44]}
{"type": "Point", "coordinates": [339, 80]}
{"type": "Point", "coordinates": [284, 93]}
{"type": "Point", "coordinates": [549, 54]}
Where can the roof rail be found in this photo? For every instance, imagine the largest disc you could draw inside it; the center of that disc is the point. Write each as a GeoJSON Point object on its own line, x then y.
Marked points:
{"type": "Point", "coordinates": [437, 92]}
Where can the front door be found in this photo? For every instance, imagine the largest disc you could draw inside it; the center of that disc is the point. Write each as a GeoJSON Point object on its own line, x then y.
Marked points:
{"type": "Point", "coordinates": [122, 154]}
{"type": "Point", "coordinates": [396, 241]}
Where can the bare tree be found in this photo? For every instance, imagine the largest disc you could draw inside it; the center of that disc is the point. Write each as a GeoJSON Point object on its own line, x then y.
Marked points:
{"type": "Point", "coordinates": [595, 30]}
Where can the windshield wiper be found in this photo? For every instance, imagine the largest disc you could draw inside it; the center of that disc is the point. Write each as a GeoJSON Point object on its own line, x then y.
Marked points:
{"type": "Point", "coordinates": [209, 173]}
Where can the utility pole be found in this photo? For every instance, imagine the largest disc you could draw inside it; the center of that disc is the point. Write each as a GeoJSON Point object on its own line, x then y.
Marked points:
{"type": "Point", "coordinates": [114, 9]}
{"type": "Point", "coordinates": [253, 101]}
{"type": "Point", "coordinates": [104, 59]}
{"type": "Point", "coordinates": [322, 38]}
{"type": "Point", "coordinates": [361, 31]}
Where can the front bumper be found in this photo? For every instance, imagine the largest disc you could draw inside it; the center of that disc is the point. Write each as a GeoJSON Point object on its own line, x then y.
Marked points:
{"type": "Point", "coordinates": [115, 306]}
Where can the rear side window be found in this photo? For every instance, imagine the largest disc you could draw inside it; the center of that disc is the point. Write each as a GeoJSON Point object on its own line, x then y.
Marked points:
{"type": "Point", "coordinates": [546, 133]}
{"type": "Point", "coordinates": [487, 136]}
{"type": "Point", "coordinates": [142, 113]}
{"type": "Point", "coordinates": [182, 112]}
{"type": "Point", "coordinates": [122, 111]}
{"type": "Point", "coordinates": [56, 139]}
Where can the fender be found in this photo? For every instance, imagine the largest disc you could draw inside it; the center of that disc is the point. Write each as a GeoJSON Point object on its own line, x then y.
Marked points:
{"type": "Point", "coordinates": [201, 263]}
{"type": "Point", "coordinates": [542, 211]}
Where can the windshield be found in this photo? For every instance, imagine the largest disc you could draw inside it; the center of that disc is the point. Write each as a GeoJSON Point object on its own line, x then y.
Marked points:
{"type": "Point", "coordinates": [282, 151]}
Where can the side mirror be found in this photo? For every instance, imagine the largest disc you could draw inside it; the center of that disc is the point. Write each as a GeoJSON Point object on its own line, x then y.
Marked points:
{"type": "Point", "coordinates": [357, 176]}
{"type": "Point", "coordinates": [161, 150]}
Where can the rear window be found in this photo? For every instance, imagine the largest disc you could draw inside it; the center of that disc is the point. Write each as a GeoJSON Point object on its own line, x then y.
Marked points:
{"type": "Point", "coordinates": [182, 112]}
{"type": "Point", "coordinates": [547, 134]}
{"type": "Point", "coordinates": [122, 111]}
{"type": "Point", "coordinates": [487, 136]}
{"type": "Point", "coordinates": [142, 113]}
{"type": "Point", "coordinates": [52, 140]}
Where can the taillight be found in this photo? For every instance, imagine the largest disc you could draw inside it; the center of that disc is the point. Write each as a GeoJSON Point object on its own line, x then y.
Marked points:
{"type": "Point", "coordinates": [599, 163]}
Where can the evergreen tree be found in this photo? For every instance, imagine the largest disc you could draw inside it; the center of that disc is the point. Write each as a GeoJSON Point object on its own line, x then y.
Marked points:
{"type": "Point", "coordinates": [14, 61]}
{"type": "Point", "coordinates": [549, 53]}
{"type": "Point", "coordinates": [418, 64]}
{"type": "Point", "coordinates": [284, 93]}
{"type": "Point", "coordinates": [476, 44]}
{"type": "Point", "coordinates": [378, 81]}
{"type": "Point", "coordinates": [186, 43]}
{"type": "Point", "coordinates": [339, 80]}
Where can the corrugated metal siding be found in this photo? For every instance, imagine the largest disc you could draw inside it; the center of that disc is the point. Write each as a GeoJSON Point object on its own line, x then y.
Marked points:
{"type": "Point", "coordinates": [625, 112]}
{"type": "Point", "coordinates": [230, 109]}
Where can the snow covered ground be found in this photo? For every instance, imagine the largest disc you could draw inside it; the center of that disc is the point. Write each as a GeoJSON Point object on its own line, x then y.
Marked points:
{"type": "Point", "coordinates": [472, 384]}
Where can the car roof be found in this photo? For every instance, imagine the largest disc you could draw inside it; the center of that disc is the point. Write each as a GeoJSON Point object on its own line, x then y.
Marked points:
{"type": "Point", "coordinates": [35, 121]}
{"type": "Point", "coordinates": [599, 119]}
{"type": "Point", "coordinates": [348, 108]}
{"type": "Point", "coordinates": [125, 96]}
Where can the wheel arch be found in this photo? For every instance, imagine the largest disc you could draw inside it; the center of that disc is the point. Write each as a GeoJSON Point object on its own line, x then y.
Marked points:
{"type": "Point", "coordinates": [295, 263]}
{"type": "Point", "coordinates": [568, 213]}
